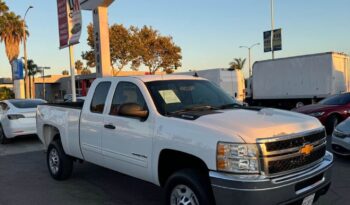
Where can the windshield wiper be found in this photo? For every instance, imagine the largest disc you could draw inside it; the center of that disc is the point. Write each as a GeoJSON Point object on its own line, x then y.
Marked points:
{"type": "Point", "coordinates": [231, 105]}
{"type": "Point", "coordinates": [193, 108]}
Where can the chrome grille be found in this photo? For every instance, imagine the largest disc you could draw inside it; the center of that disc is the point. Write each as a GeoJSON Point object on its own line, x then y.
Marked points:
{"type": "Point", "coordinates": [281, 155]}
{"type": "Point", "coordinates": [294, 142]}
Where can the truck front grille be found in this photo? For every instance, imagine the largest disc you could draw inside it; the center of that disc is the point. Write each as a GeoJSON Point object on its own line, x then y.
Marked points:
{"type": "Point", "coordinates": [295, 162]}
{"type": "Point", "coordinates": [286, 154]}
{"type": "Point", "coordinates": [294, 142]}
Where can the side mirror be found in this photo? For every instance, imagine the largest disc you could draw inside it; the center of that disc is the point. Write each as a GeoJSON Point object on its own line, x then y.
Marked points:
{"type": "Point", "coordinates": [132, 110]}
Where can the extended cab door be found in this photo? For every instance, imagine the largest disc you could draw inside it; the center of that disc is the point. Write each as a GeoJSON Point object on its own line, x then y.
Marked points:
{"type": "Point", "coordinates": [127, 141]}
{"type": "Point", "coordinates": [91, 123]}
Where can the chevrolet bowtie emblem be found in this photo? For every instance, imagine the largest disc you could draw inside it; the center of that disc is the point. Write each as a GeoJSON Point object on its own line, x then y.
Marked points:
{"type": "Point", "coordinates": [306, 149]}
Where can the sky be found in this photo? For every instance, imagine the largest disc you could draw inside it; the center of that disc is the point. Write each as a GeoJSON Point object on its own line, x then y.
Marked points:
{"type": "Point", "coordinates": [209, 32]}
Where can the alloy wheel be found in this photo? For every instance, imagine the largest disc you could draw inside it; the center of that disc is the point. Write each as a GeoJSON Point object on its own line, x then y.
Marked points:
{"type": "Point", "coordinates": [183, 195]}
{"type": "Point", "coordinates": [54, 161]}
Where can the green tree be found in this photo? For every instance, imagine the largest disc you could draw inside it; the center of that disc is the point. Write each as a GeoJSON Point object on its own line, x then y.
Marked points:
{"type": "Point", "coordinates": [158, 51]}
{"type": "Point", "coordinates": [135, 47]}
{"type": "Point", "coordinates": [11, 33]}
{"type": "Point", "coordinates": [122, 46]}
{"type": "Point", "coordinates": [237, 63]}
{"type": "Point", "coordinates": [32, 71]}
{"type": "Point", "coordinates": [86, 71]}
{"type": "Point", "coordinates": [89, 56]}
{"type": "Point", "coordinates": [6, 93]}
{"type": "Point", "coordinates": [79, 66]}
{"type": "Point", "coordinates": [65, 72]}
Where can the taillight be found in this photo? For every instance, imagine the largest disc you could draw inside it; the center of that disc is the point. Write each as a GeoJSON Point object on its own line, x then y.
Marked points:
{"type": "Point", "coordinates": [15, 116]}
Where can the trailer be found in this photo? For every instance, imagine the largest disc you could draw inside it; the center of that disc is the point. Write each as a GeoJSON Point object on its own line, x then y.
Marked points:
{"type": "Point", "coordinates": [231, 81]}
{"type": "Point", "coordinates": [287, 82]}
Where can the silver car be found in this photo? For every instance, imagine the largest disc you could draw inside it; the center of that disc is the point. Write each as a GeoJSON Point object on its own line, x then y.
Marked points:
{"type": "Point", "coordinates": [341, 138]}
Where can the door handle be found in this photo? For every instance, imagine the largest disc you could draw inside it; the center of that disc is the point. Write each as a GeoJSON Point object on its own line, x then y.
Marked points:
{"type": "Point", "coordinates": [110, 126]}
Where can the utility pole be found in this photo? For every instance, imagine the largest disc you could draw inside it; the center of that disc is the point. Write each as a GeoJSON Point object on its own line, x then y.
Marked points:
{"type": "Point", "coordinates": [249, 56]}
{"type": "Point", "coordinates": [72, 73]}
{"type": "Point", "coordinates": [272, 28]}
{"type": "Point", "coordinates": [26, 77]}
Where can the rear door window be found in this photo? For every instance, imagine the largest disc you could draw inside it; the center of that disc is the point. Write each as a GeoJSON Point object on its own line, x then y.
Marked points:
{"type": "Point", "coordinates": [99, 99]}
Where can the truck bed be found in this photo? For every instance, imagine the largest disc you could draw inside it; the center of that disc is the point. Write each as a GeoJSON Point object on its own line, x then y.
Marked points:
{"type": "Point", "coordinates": [73, 105]}
{"type": "Point", "coordinates": [65, 118]}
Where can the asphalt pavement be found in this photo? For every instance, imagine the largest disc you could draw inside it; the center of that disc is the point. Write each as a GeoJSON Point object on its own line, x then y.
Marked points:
{"type": "Point", "coordinates": [24, 179]}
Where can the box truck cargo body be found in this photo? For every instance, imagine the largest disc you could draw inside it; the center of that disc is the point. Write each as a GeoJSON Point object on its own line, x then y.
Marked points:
{"type": "Point", "coordinates": [231, 81]}
{"type": "Point", "coordinates": [287, 81]}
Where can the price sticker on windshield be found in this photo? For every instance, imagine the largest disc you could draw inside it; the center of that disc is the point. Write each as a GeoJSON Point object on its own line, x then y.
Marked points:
{"type": "Point", "coordinates": [169, 96]}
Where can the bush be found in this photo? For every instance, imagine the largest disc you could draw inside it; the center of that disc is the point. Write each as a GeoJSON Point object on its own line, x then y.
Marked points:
{"type": "Point", "coordinates": [6, 93]}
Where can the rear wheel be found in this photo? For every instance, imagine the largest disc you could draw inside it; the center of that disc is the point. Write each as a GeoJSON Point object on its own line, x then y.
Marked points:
{"type": "Point", "coordinates": [188, 187]}
{"type": "Point", "coordinates": [331, 123]}
{"type": "Point", "coordinates": [3, 138]}
{"type": "Point", "coordinates": [59, 164]}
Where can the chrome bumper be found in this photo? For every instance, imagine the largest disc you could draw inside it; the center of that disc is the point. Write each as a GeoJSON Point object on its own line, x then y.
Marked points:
{"type": "Point", "coordinates": [232, 189]}
{"type": "Point", "coordinates": [341, 146]}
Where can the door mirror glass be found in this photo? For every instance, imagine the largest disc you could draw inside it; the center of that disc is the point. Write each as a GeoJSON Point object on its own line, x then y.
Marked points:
{"type": "Point", "coordinates": [133, 110]}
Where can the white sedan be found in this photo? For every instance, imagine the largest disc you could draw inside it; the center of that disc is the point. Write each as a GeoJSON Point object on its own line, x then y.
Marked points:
{"type": "Point", "coordinates": [17, 117]}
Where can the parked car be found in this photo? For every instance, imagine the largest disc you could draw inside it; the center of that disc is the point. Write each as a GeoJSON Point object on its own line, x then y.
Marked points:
{"type": "Point", "coordinates": [330, 111]}
{"type": "Point", "coordinates": [187, 135]}
{"type": "Point", "coordinates": [17, 117]}
{"type": "Point", "coordinates": [341, 139]}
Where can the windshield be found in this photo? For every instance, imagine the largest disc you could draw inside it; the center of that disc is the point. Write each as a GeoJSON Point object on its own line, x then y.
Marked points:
{"type": "Point", "coordinates": [27, 103]}
{"type": "Point", "coordinates": [336, 100]}
{"type": "Point", "coordinates": [181, 95]}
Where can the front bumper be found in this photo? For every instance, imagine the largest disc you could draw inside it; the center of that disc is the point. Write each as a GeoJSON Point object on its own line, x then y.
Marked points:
{"type": "Point", "coordinates": [231, 189]}
{"type": "Point", "coordinates": [341, 146]}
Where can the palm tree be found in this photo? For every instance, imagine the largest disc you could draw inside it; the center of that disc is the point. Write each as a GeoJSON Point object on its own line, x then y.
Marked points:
{"type": "Point", "coordinates": [11, 33]}
{"type": "Point", "coordinates": [237, 63]}
{"type": "Point", "coordinates": [86, 71]}
{"type": "Point", "coordinates": [3, 7]}
{"type": "Point", "coordinates": [79, 66]}
{"type": "Point", "coordinates": [65, 72]}
{"type": "Point", "coordinates": [32, 71]}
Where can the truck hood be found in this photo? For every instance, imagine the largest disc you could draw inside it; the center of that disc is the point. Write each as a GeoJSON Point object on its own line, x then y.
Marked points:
{"type": "Point", "coordinates": [253, 124]}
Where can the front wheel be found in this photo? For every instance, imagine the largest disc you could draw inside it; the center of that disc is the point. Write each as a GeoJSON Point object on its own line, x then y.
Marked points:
{"type": "Point", "coordinates": [59, 164]}
{"type": "Point", "coordinates": [188, 187]}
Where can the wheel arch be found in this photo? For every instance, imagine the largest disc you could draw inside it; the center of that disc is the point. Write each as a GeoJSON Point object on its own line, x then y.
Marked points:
{"type": "Point", "coordinates": [170, 161]}
{"type": "Point", "coordinates": [50, 133]}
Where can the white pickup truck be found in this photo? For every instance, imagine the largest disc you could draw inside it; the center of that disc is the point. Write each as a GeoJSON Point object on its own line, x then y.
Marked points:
{"type": "Point", "coordinates": [185, 134]}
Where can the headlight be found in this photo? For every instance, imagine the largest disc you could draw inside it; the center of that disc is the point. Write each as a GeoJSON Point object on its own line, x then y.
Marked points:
{"type": "Point", "coordinates": [339, 134]}
{"type": "Point", "coordinates": [316, 114]}
{"type": "Point", "coordinates": [237, 158]}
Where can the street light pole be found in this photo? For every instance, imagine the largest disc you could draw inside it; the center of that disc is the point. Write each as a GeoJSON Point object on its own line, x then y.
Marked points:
{"type": "Point", "coordinates": [28, 93]}
{"type": "Point", "coordinates": [249, 56]}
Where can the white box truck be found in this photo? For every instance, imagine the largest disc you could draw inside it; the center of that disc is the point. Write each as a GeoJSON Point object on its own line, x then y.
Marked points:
{"type": "Point", "coordinates": [231, 81]}
{"type": "Point", "coordinates": [285, 82]}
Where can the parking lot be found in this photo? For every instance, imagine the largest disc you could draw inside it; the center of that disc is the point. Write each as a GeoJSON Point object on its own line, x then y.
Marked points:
{"type": "Point", "coordinates": [24, 179]}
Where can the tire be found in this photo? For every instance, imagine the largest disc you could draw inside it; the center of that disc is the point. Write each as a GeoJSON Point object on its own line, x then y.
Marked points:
{"type": "Point", "coordinates": [3, 138]}
{"type": "Point", "coordinates": [188, 182]}
{"type": "Point", "coordinates": [59, 164]}
{"type": "Point", "coordinates": [331, 123]}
